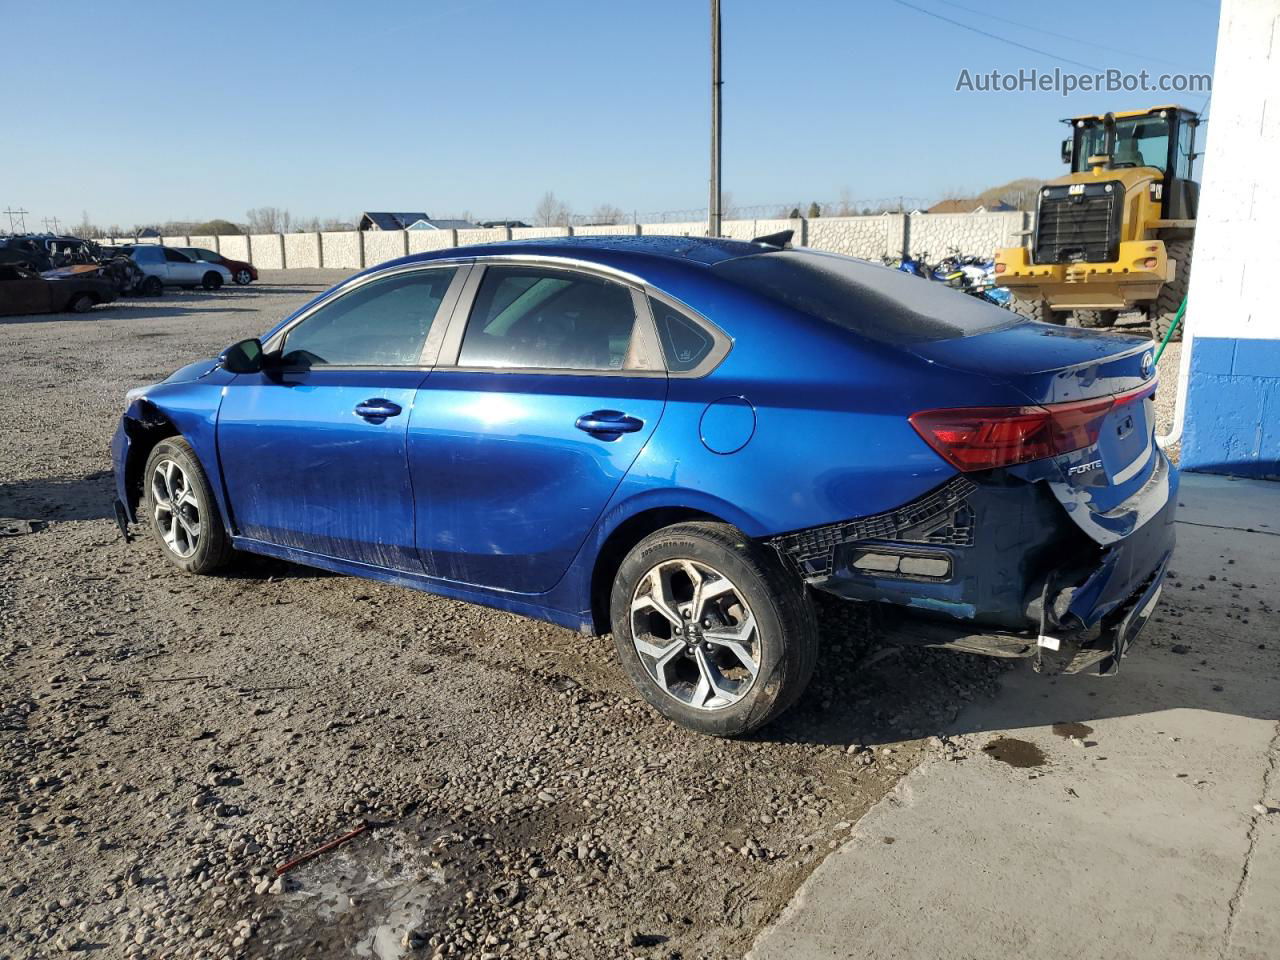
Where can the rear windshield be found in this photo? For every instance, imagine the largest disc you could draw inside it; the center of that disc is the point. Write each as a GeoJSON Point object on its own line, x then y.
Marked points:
{"type": "Point", "coordinates": [874, 301]}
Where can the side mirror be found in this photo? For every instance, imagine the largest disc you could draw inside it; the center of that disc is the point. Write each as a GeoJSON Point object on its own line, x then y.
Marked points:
{"type": "Point", "coordinates": [243, 357]}
{"type": "Point", "coordinates": [1068, 149]}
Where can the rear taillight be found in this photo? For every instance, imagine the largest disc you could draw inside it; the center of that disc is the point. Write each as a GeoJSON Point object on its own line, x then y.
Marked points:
{"type": "Point", "coordinates": [983, 438]}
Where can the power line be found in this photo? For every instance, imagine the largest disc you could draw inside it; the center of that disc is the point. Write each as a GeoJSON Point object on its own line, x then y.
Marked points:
{"type": "Point", "coordinates": [997, 37]}
{"type": "Point", "coordinates": [1061, 36]}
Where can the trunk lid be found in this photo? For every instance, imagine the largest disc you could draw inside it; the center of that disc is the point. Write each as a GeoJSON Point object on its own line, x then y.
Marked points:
{"type": "Point", "coordinates": [1114, 485]}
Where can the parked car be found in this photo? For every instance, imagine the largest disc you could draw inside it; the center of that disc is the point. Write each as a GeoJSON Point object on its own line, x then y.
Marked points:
{"type": "Point", "coordinates": [23, 291]}
{"type": "Point", "coordinates": [168, 267]}
{"type": "Point", "coordinates": [243, 273]}
{"type": "Point", "coordinates": [679, 440]}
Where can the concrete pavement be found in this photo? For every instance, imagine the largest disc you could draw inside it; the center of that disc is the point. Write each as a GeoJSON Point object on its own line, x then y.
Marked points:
{"type": "Point", "coordinates": [1139, 837]}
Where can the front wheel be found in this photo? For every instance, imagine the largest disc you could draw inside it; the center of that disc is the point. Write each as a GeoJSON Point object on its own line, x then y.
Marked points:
{"type": "Point", "coordinates": [211, 281]}
{"type": "Point", "coordinates": [181, 511]}
{"type": "Point", "coordinates": [152, 287]}
{"type": "Point", "coordinates": [712, 629]}
{"type": "Point", "coordinates": [81, 303]}
{"type": "Point", "coordinates": [243, 277]}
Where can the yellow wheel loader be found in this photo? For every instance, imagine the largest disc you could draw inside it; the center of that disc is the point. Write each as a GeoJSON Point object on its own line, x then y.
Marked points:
{"type": "Point", "coordinates": [1116, 232]}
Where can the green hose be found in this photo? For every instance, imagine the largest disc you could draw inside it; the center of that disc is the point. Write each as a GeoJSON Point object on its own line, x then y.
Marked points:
{"type": "Point", "coordinates": [1177, 319]}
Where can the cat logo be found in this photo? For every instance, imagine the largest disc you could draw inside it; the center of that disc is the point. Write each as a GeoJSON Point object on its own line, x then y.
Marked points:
{"type": "Point", "coordinates": [1080, 468]}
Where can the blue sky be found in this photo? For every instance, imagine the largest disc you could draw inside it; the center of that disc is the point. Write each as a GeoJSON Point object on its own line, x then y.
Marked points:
{"type": "Point", "coordinates": [141, 111]}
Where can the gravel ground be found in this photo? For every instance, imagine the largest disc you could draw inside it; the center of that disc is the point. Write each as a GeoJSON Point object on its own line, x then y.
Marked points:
{"type": "Point", "coordinates": [167, 739]}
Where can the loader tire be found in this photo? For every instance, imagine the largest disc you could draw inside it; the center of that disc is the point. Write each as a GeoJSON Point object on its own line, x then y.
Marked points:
{"type": "Point", "coordinates": [1165, 309]}
{"type": "Point", "coordinates": [1093, 319]}
{"type": "Point", "coordinates": [1035, 310]}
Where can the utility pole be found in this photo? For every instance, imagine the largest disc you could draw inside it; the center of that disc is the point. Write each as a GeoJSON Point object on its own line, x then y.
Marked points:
{"type": "Point", "coordinates": [713, 208]}
{"type": "Point", "coordinates": [54, 221]}
{"type": "Point", "coordinates": [21, 215]}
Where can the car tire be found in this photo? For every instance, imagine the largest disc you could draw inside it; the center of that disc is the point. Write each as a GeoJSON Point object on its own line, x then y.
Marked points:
{"type": "Point", "coordinates": [180, 510]}
{"type": "Point", "coordinates": [211, 281]}
{"type": "Point", "coordinates": [151, 287]}
{"type": "Point", "coordinates": [243, 277]}
{"type": "Point", "coordinates": [81, 303]}
{"type": "Point", "coordinates": [740, 661]}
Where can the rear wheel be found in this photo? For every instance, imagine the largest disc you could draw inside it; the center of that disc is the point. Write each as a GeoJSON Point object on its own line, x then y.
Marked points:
{"type": "Point", "coordinates": [151, 287]}
{"type": "Point", "coordinates": [1162, 313]}
{"type": "Point", "coordinates": [712, 629]}
{"type": "Point", "coordinates": [243, 277]}
{"type": "Point", "coordinates": [1094, 319]}
{"type": "Point", "coordinates": [181, 511]}
{"type": "Point", "coordinates": [211, 281]}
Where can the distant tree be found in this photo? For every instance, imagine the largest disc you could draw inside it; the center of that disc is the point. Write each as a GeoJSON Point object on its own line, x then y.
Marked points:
{"type": "Point", "coordinates": [1019, 194]}
{"type": "Point", "coordinates": [217, 228]}
{"type": "Point", "coordinates": [846, 207]}
{"type": "Point", "coordinates": [795, 213]}
{"type": "Point", "coordinates": [814, 210]}
{"type": "Point", "coordinates": [607, 213]}
{"type": "Point", "coordinates": [268, 220]}
{"type": "Point", "coordinates": [551, 212]}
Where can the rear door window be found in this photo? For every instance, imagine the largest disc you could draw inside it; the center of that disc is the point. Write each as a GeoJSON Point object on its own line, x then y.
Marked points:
{"type": "Point", "coordinates": [868, 299]}
{"type": "Point", "coordinates": [549, 319]}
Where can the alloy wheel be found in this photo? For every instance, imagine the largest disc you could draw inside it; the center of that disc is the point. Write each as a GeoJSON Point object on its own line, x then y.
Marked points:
{"type": "Point", "coordinates": [243, 277]}
{"type": "Point", "coordinates": [177, 508]}
{"type": "Point", "coordinates": [695, 634]}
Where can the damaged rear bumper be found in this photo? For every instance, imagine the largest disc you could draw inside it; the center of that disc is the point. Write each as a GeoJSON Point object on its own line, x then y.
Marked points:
{"type": "Point", "coordinates": [995, 567]}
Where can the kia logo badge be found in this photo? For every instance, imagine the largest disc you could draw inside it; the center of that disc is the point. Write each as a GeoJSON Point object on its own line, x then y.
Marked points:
{"type": "Point", "coordinates": [1148, 362]}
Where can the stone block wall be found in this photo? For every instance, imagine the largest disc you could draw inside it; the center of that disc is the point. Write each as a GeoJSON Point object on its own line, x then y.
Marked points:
{"type": "Point", "coordinates": [302, 250]}
{"type": "Point", "coordinates": [343, 250]}
{"type": "Point", "coordinates": [383, 245]}
{"type": "Point", "coordinates": [266, 251]}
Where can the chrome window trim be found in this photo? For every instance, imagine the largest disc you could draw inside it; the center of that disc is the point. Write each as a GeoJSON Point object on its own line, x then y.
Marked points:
{"type": "Point", "coordinates": [442, 352]}
{"type": "Point", "coordinates": [644, 334]}
{"type": "Point", "coordinates": [435, 336]}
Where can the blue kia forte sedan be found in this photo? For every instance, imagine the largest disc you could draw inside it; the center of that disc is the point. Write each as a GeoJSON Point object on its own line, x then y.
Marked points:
{"type": "Point", "coordinates": [677, 441]}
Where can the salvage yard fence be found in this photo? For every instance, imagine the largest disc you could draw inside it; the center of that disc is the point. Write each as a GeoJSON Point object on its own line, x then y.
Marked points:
{"type": "Point", "coordinates": [927, 235]}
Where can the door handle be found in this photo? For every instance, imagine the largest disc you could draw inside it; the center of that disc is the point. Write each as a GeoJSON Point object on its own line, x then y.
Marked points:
{"type": "Point", "coordinates": [377, 409]}
{"type": "Point", "coordinates": [608, 424]}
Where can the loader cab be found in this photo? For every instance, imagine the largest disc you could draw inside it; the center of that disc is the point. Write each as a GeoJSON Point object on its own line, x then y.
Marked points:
{"type": "Point", "coordinates": [1163, 138]}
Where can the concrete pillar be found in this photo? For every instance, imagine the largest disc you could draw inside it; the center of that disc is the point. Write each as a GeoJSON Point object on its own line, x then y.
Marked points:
{"type": "Point", "coordinates": [1230, 414]}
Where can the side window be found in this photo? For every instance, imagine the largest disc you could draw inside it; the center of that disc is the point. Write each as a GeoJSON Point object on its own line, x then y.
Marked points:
{"type": "Point", "coordinates": [173, 256]}
{"type": "Point", "coordinates": [207, 255]}
{"type": "Point", "coordinates": [684, 342]}
{"type": "Point", "coordinates": [1183, 167]}
{"type": "Point", "coordinates": [550, 319]}
{"type": "Point", "coordinates": [147, 255]}
{"type": "Point", "coordinates": [383, 323]}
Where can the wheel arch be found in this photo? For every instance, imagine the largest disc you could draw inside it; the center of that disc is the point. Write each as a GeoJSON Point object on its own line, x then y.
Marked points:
{"type": "Point", "coordinates": [619, 543]}
{"type": "Point", "coordinates": [146, 424]}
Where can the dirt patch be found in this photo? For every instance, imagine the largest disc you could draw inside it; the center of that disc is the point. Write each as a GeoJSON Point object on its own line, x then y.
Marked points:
{"type": "Point", "coordinates": [1016, 753]}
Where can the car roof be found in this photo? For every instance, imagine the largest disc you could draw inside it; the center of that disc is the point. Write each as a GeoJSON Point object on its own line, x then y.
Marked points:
{"type": "Point", "coordinates": [614, 251]}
